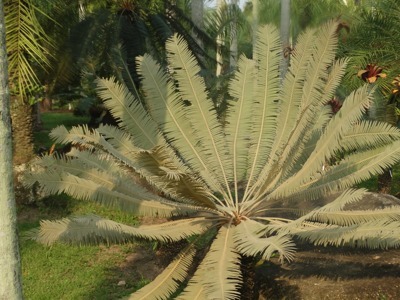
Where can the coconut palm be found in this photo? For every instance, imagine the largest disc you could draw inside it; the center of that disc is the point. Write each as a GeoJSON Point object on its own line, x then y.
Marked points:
{"type": "Point", "coordinates": [233, 185]}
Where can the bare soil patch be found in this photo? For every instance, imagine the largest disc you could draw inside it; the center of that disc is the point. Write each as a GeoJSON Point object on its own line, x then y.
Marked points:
{"type": "Point", "coordinates": [317, 273]}
{"type": "Point", "coordinates": [332, 273]}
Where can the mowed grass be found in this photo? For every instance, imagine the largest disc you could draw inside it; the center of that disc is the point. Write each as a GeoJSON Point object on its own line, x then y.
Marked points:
{"type": "Point", "coordinates": [72, 272]}
{"type": "Point", "coordinates": [372, 183]}
{"type": "Point", "coordinates": [51, 120]}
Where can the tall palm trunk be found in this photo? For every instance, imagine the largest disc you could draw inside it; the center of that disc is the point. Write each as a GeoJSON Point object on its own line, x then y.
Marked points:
{"type": "Point", "coordinates": [234, 41]}
{"type": "Point", "coordinates": [197, 11]}
{"type": "Point", "coordinates": [255, 24]}
{"type": "Point", "coordinates": [285, 34]}
{"type": "Point", "coordinates": [22, 127]}
{"type": "Point", "coordinates": [220, 42]}
{"type": "Point", "coordinates": [10, 274]}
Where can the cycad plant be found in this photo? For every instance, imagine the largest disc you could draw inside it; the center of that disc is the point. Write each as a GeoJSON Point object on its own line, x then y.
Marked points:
{"type": "Point", "coordinates": [235, 182]}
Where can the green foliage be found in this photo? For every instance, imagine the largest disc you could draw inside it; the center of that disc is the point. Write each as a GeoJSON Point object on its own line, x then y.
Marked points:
{"type": "Point", "coordinates": [373, 30]}
{"type": "Point", "coordinates": [51, 120]}
{"type": "Point", "coordinates": [280, 145]}
{"type": "Point", "coordinates": [28, 45]}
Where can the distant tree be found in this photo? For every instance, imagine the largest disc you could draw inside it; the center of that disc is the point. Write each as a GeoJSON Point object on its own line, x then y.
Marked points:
{"type": "Point", "coordinates": [197, 15]}
{"type": "Point", "coordinates": [10, 275]}
{"type": "Point", "coordinates": [285, 34]}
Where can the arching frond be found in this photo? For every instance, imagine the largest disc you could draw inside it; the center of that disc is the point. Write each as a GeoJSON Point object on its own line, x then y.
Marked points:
{"type": "Point", "coordinates": [354, 106]}
{"type": "Point", "coordinates": [129, 112]}
{"type": "Point", "coordinates": [379, 234]}
{"type": "Point", "coordinates": [347, 197]}
{"type": "Point", "coordinates": [142, 202]}
{"type": "Point", "coordinates": [204, 123]}
{"type": "Point", "coordinates": [27, 43]}
{"type": "Point", "coordinates": [157, 166]}
{"type": "Point", "coordinates": [350, 217]}
{"type": "Point", "coordinates": [168, 281]}
{"type": "Point", "coordinates": [322, 57]}
{"type": "Point", "coordinates": [368, 134]}
{"type": "Point", "coordinates": [352, 170]}
{"type": "Point", "coordinates": [195, 288]}
{"type": "Point", "coordinates": [249, 242]}
{"type": "Point", "coordinates": [238, 124]}
{"type": "Point", "coordinates": [222, 276]}
{"type": "Point", "coordinates": [92, 229]}
{"type": "Point", "coordinates": [266, 95]}
{"type": "Point", "coordinates": [292, 89]}
{"type": "Point", "coordinates": [314, 118]}
{"type": "Point", "coordinates": [167, 108]}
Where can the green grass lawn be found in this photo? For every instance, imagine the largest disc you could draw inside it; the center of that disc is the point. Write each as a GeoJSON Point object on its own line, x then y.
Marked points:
{"type": "Point", "coordinates": [51, 120]}
{"type": "Point", "coordinates": [71, 272]}
{"type": "Point", "coordinates": [372, 183]}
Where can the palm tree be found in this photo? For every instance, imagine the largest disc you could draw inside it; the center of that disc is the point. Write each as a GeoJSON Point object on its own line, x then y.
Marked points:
{"type": "Point", "coordinates": [232, 185]}
{"type": "Point", "coordinates": [29, 49]}
{"type": "Point", "coordinates": [10, 277]}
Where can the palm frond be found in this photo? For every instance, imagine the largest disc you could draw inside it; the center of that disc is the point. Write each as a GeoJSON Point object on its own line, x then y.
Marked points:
{"type": "Point", "coordinates": [347, 218]}
{"type": "Point", "coordinates": [322, 57]}
{"type": "Point", "coordinates": [249, 242]}
{"type": "Point", "coordinates": [80, 230]}
{"type": "Point", "coordinates": [92, 229]}
{"type": "Point", "coordinates": [129, 112]}
{"type": "Point", "coordinates": [266, 96]}
{"type": "Point", "coordinates": [379, 234]}
{"type": "Point", "coordinates": [238, 124]}
{"type": "Point", "coordinates": [142, 202]}
{"type": "Point", "coordinates": [347, 197]}
{"type": "Point", "coordinates": [159, 167]}
{"type": "Point", "coordinates": [291, 89]}
{"type": "Point", "coordinates": [167, 109]}
{"type": "Point", "coordinates": [314, 117]}
{"type": "Point", "coordinates": [195, 288]}
{"type": "Point", "coordinates": [27, 44]}
{"type": "Point", "coordinates": [204, 123]}
{"type": "Point", "coordinates": [120, 146]}
{"type": "Point", "coordinates": [354, 106]}
{"type": "Point", "coordinates": [222, 276]}
{"type": "Point", "coordinates": [297, 152]}
{"type": "Point", "coordinates": [168, 281]}
{"type": "Point", "coordinates": [368, 134]}
{"type": "Point", "coordinates": [329, 142]}
{"type": "Point", "coordinates": [352, 170]}
{"type": "Point", "coordinates": [289, 108]}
